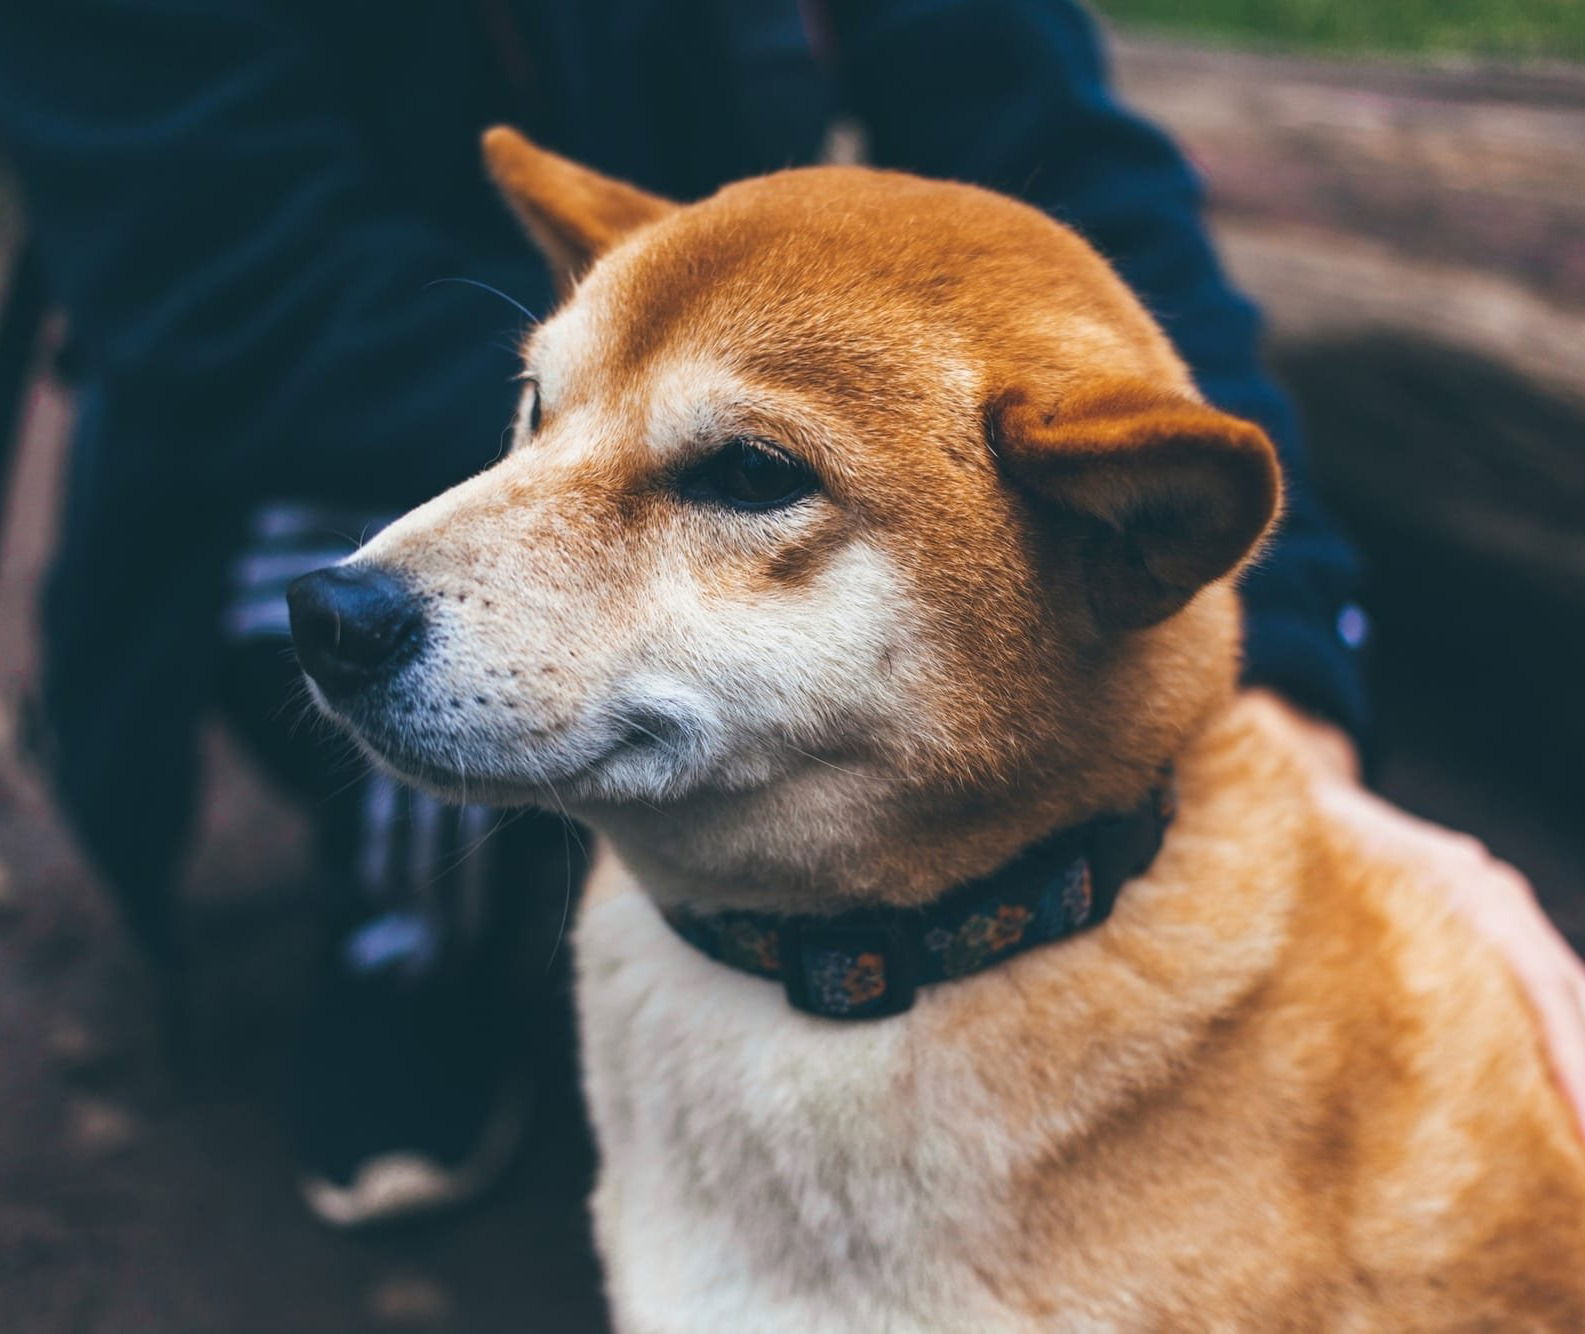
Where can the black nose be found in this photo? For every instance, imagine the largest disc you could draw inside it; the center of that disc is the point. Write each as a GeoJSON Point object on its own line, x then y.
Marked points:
{"type": "Point", "coordinates": [350, 623]}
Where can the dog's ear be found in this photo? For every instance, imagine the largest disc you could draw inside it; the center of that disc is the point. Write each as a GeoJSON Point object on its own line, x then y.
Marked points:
{"type": "Point", "coordinates": [1168, 493]}
{"type": "Point", "coordinates": [572, 213]}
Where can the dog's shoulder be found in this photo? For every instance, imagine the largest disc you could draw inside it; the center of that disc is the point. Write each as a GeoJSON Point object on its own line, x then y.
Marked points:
{"type": "Point", "coordinates": [1466, 1173]}
{"type": "Point", "coordinates": [1430, 1129]}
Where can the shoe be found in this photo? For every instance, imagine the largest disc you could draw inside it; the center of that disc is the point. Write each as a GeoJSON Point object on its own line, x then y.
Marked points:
{"type": "Point", "coordinates": [410, 1097]}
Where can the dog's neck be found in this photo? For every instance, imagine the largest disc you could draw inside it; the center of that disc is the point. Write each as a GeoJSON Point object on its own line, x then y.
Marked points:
{"type": "Point", "coordinates": [735, 854]}
{"type": "Point", "coordinates": [828, 841]}
{"type": "Point", "coordinates": [869, 963]}
{"type": "Point", "coordinates": [828, 837]}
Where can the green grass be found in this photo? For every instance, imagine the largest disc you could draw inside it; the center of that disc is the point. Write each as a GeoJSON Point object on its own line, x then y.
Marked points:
{"type": "Point", "coordinates": [1550, 29]}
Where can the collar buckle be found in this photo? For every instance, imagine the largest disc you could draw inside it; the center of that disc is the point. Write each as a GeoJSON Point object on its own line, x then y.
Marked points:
{"type": "Point", "coordinates": [848, 969]}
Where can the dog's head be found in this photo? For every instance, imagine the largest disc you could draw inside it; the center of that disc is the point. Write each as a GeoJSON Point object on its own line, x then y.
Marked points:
{"type": "Point", "coordinates": [845, 511]}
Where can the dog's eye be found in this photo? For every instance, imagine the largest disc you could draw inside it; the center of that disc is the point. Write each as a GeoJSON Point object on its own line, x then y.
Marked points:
{"type": "Point", "coordinates": [750, 475]}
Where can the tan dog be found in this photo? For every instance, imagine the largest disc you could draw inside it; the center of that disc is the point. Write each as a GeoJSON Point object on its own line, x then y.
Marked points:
{"type": "Point", "coordinates": [860, 530]}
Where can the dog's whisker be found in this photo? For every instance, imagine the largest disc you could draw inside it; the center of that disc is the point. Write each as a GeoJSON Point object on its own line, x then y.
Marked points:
{"type": "Point", "coordinates": [449, 865]}
{"type": "Point", "coordinates": [494, 291]}
{"type": "Point", "coordinates": [569, 830]}
{"type": "Point", "coordinates": [797, 750]}
{"type": "Point", "coordinates": [460, 768]}
{"type": "Point", "coordinates": [639, 727]}
{"type": "Point", "coordinates": [626, 744]}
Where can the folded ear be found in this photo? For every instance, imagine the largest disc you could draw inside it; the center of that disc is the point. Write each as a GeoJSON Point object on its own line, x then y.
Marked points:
{"type": "Point", "coordinates": [573, 214]}
{"type": "Point", "coordinates": [1171, 494]}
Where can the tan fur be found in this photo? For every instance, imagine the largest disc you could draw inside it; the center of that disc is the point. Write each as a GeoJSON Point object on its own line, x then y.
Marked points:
{"type": "Point", "coordinates": [1280, 1089]}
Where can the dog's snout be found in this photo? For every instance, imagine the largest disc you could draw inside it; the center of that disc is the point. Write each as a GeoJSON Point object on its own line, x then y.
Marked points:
{"type": "Point", "coordinates": [351, 623]}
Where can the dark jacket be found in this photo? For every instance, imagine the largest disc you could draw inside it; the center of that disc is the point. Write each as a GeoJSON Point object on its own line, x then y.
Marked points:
{"type": "Point", "coordinates": [244, 206]}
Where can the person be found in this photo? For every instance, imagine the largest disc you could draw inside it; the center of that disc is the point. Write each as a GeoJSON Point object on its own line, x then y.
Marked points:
{"type": "Point", "coordinates": [248, 210]}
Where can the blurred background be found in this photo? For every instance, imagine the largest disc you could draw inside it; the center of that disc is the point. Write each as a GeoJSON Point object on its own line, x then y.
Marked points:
{"type": "Point", "coordinates": [1402, 186]}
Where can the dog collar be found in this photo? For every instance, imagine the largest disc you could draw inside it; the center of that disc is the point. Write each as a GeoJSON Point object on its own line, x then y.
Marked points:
{"type": "Point", "coordinates": [870, 963]}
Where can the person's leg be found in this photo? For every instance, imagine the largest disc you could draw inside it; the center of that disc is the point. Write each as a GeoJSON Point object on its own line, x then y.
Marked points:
{"type": "Point", "coordinates": [411, 1088]}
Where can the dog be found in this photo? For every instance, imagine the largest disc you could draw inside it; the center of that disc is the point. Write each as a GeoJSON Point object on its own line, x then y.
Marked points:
{"type": "Point", "coordinates": [863, 573]}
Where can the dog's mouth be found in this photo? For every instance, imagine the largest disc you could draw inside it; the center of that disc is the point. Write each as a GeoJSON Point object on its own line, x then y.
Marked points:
{"type": "Point", "coordinates": [608, 756]}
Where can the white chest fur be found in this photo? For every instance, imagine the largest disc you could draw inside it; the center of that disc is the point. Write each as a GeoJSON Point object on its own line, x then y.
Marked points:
{"type": "Point", "coordinates": [820, 1175]}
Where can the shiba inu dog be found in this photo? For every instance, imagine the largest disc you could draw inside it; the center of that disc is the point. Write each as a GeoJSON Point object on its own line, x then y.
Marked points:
{"type": "Point", "coordinates": [863, 573]}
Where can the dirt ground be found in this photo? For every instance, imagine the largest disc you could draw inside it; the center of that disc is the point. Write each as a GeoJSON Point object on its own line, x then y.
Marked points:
{"type": "Point", "coordinates": [134, 1202]}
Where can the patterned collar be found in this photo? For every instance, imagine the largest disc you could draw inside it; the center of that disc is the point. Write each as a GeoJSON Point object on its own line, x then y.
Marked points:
{"type": "Point", "coordinates": [869, 963]}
